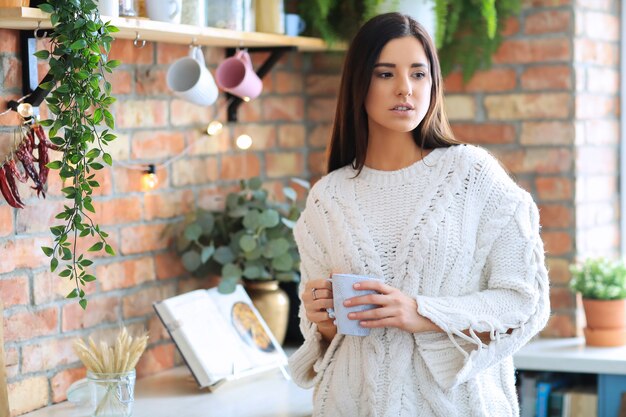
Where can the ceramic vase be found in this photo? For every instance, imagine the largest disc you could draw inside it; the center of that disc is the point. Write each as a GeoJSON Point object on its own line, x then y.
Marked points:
{"type": "Point", "coordinates": [272, 303]}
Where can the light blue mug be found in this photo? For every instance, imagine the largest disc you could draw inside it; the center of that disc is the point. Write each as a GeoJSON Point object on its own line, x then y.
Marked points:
{"type": "Point", "coordinates": [294, 24]}
{"type": "Point", "coordinates": [343, 288]}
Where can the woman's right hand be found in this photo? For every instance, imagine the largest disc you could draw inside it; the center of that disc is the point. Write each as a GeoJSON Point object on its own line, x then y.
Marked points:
{"type": "Point", "coordinates": [316, 298]}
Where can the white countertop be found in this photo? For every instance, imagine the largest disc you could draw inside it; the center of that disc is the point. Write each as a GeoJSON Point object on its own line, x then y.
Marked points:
{"type": "Point", "coordinates": [570, 355]}
{"type": "Point", "coordinates": [174, 393]}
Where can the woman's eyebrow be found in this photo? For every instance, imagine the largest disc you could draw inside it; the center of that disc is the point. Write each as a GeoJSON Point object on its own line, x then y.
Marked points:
{"type": "Point", "coordinates": [390, 65]}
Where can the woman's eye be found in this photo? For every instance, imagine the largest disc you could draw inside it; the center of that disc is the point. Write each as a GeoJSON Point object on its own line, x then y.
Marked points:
{"type": "Point", "coordinates": [419, 75]}
{"type": "Point", "coordinates": [384, 75]}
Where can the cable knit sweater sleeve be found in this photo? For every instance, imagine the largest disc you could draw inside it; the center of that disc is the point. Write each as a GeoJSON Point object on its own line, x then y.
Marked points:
{"type": "Point", "coordinates": [312, 236]}
{"type": "Point", "coordinates": [513, 306]}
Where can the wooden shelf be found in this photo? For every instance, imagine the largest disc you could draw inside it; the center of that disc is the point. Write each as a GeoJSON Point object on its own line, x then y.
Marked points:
{"type": "Point", "coordinates": [150, 30]}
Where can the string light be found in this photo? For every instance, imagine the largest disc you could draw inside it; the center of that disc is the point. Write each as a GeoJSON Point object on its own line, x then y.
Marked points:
{"type": "Point", "coordinates": [214, 128]}
{"type": "Point", "coordinates": [25, 110]}
{"type": "Point", "coordinates": [244, 142]}
{"type": "Point", "coordinates": [149, 179]}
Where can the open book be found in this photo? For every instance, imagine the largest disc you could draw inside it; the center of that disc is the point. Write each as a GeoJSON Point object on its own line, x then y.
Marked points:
{"type": "Point", "coordinates": [220, 336]}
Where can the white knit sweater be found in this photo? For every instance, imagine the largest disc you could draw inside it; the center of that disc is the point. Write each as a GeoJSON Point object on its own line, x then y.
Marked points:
{"type": "Point", "coordinates": [453, 231]}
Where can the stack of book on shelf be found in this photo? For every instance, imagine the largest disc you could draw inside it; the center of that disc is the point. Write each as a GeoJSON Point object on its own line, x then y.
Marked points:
{"type": "Point", "coordinates": [556, 395]}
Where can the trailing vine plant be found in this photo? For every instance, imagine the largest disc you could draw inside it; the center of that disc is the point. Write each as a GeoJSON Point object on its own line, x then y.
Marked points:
{"type": "Point", "coordinates": [79, 103]}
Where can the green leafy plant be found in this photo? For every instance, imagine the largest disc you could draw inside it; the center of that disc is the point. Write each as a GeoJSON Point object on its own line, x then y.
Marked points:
{"type": "Point", "coordinates": [251, 238]}
{"type": "Point", "coordinates": [78, 102]}
{"type": "Point", "coordinates": [467, 31]}
{"type": "Point", "coordinates": [599, 279]}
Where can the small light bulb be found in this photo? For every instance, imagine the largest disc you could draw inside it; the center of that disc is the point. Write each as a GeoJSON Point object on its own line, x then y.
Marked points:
{"type": "Point", "coordinates": [244, 142]}
{"type": "Point", "coordinates": [214, 128]}
{"type": "Point", "coordinates": [246, 99]}
{"type": "Point", "coordinates": [149, 179]}
{"type": "Point", "coordinates": [25, 110]}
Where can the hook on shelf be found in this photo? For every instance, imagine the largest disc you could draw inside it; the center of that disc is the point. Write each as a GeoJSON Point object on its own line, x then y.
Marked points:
{"type": "Point", "coordinates": [36, 32]}
{"type": "Point", "coordinates": [138, 42]}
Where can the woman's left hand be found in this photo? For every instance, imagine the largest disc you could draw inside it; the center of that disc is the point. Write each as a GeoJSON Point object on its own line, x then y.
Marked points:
{"type": "Point", "coordinates": [396, 309]}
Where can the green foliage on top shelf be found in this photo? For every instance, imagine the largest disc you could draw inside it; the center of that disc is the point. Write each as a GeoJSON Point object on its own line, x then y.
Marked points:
{"type": "Point", "coordinates": [599, 279]}
{"type": "Point", "coordinates": [250, 238]}
{"type": "Point", "coordinates": [467, 33]}
{"type": "Point", "coordinates": [78, 102]}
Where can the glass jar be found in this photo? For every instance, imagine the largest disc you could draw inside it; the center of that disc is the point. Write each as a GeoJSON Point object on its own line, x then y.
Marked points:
{"type": "Point", "coordinates": [105, 395]}
{"type": "Point", "coordinates": [129, 8]}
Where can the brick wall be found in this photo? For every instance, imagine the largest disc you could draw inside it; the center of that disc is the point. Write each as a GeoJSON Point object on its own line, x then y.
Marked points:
{"type": "Point", "coordinates": [547, 108]}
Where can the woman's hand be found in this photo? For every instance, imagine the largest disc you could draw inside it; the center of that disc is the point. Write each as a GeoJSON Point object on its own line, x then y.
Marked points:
{"type": "Point", "coordinates": [396, 309]}
{"type": "Point", "coordinates": [316, 298]}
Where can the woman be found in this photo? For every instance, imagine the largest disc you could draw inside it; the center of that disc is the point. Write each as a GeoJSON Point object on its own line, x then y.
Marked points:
{"type": "Point", "coordinates": [455, 239]}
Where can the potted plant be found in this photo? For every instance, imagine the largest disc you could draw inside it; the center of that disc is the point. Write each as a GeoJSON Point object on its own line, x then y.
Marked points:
{"type": "Point", "coordinates": [602, 285]}
{"type": "Point", "coordinates": [250, 240]}
{"type": "Point", "coordinates": [467, 33]}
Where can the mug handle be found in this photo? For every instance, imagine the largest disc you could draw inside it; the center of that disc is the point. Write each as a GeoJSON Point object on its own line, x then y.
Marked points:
{"type": "Point", "coordinates": [195, 52]}
{"type": "Point", "coordinates": [176, 10]}
{"type": "Point", "coordinates": [301, 25]}
{"type": "Point", "coordinates": [330, 310]}
{"type": "Point", "coordinates": [245, 57]}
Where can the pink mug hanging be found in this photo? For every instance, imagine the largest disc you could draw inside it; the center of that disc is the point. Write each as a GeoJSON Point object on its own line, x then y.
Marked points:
{"type": "Point", "coordinates": [237, 76]}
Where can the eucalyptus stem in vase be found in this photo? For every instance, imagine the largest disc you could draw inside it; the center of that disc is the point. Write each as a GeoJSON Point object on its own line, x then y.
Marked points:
{"type": "Point", "coordinates": [79, 103]}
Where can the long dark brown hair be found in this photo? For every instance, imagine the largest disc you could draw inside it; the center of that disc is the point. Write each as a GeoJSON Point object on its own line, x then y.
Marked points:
{"type": "Point", "coordinates": [348, 143]}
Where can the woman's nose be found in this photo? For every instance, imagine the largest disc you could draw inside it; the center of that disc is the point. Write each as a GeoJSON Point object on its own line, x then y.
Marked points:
{"type": "Point", "coordinates": [404, 87]}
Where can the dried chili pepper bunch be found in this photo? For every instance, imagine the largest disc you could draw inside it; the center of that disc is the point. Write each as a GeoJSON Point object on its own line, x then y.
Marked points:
{"type": "Point", "coordinates": [79, 102]}
{"type": "Point", "coordinates": [10, 172]}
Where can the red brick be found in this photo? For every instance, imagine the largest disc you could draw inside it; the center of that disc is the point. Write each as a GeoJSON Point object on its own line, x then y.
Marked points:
{"type": "Point", "coordinates": [283, 164]}
{"type": "Point", "coordinates": [204, 144]}
{"type": "Point", "coordinates": [287, 108]}
{"type": "Point", "coordinates": [537, 160]}
{"type": "Point", "coordinates": [169, 265]}
{"type": "Point", "coordinates": [194, 171]}
{"type": "Point", "coordinates": [591, 106]}
{"type": "Point", "coordinates": [320, 136]}
{"type": "Point", "coordinates": [126, 274]}
{"type": "Point", "coordinates": [121, 82]}
{"type": "Point", "coordinates": [144, 238]}
{"type": "Point", "coordinates": [317, 162]}
{"type": "Point", "coordinates": [133, 113]}
{"type": "Point", "coordinates": [484, 133]}
{"type": "Point", "coordinates": [117, 211]}
{"type": "Point", "coordinates": [557, 243]}
{"type": "Point", "coordinates": [547, 133]}
{"type": "Point", "coordinates": [167, 53]}
{"type": "Point", "coordinates": [9, 41]}
{"type": "Point", "coordinates": [533, 50]}
{"type": "Point", "coordinates": [249, 112]}
{"type": "Point", "coordinates": [291, 136]}
{"type": "Point", "coordinates": [528, 106]}
{"type": "Point", "coordinates": [555, 215]}
{"type": "Point", "coordinates": [157, 144]}
{"type": "Point", "coordinates": [557, 77]}
{"type": "Point", "coordinates": [511, 27]}
{"type": "Point", "coordinates": [192, 284]}
{"type": "Point", "coordinates": [327, 61]}
{"type": "Point", "coordinates": [140, 303]}
{"type": "Point", "coordinates": [168, 205]}
{"type": "Point", "coordinates": [603, 80]}
{"type": "Point", "coordinates": [493, 80]}
{"type": "Point", "coordinates": [184, 113]}
{"type": "Point", "coordinates": [526, 4]}
{"type": "Point", "coordinates": [235, 167]}
{"type": "Point", "coordinates": [596, 52]}
{"type": "Point", "coordinates": [25, 253]}
{"type": "Point", "coordinates": [38, 217]}
{"type": "Point", "coordinates": [103, 176]}
{"type": "Point", "coordinates": [84, 243]}
{"type": "Point", "coordinates": [558, 270]}
{"type": "Point", "coordinates": [6, 220]}
{"type": "Point", "coordinates": [14, 290]}
{"type": "Point", "coordinates": [560, 325]}
{"type": "Point", "coordinates": [156, 330]}
{"type": "Point", "coordinates": [12, 362]}
{"type": "Point", "coordinates": [287, 82]}
{"type": "Point", "coordinates": [31, 324]}
{"type": "Point", "coordinates": [548, 21]}
{"type": "Point", "coordinates": [62, 381]}
{"type": "Point", "coordinates": [125, 51]}
{"type": "Point", "coordinates": [602, 26]}
{"type": "Point", "coordinates": [263, 136]}
{"type": "Point", "coordinates": [48, 286]}
{"type": "Point", "coordinates": [155, 360]}
{"type": "Point", "coordinates": [11, 72]}
{"type": "Point", "coordinates": [27, 395]}
{"type": "Point", "coordinates": [323, 84]}
{"type": "Point", "coordinates": [99, 310]}
{"type": "Point", "coordinates": [47, 354]}
{"type": "Point", "coordinates": [321, 109]}
{"type": "Point", "coordinates": [129, 180]}
{"type": "Point", "coordinates": [562, 298]}
{"type": "Point", "coordinates": [553, 188]}
{"type": "Point", "coordinates": [151, 81]}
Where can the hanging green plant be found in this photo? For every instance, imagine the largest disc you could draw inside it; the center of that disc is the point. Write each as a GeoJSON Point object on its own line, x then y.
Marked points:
{"type": "Point", "coordinates": [79, 103]}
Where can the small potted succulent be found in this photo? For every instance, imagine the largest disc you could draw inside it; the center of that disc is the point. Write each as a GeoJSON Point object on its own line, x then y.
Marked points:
{"type": "Point", "coordinates": [250, 240]}
{"type": "Point", "coordinates": [602, 285]}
